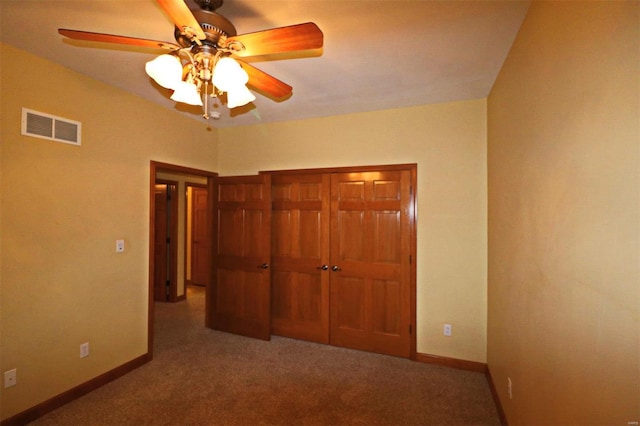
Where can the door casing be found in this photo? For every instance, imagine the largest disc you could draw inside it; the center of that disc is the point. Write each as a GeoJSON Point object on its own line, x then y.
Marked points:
{"type": "Point", "coordinates": [156, 167]}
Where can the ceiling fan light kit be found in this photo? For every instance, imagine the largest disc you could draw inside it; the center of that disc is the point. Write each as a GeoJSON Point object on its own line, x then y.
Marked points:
{"type": "Point", "coordinates": [204, 62]}
{"type": "Point", "coordinates": [228, 76]}
{"type": "Point", "coordinates": [239, 96]}
{"type": "Point", "coordinates": [186, 93]}
{"type": "Point", "coordinates": [224, 72]}
{"type": "Point", "coordinates": [166, 70]}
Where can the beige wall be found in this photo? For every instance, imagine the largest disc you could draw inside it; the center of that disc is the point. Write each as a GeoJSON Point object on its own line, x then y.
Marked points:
{"type": "Point", "coordinates": [62, 209]}
{"type": "Point", "coordinates": [448, 142]}
{"type": "Point", "coordinates": [564, 183]}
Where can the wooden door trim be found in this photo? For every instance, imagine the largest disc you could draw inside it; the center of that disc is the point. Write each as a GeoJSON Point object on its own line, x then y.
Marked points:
{"type": "Point", "coordinates": [212, 201]}
{"type": "Point", "coordinates": [413, 241]}
{"type": "Point", "coordinates": [346, 169]}
{"type": "Point", "coordinates": [413, 226]}
{"type": "Point", "coordinates": [154, 168]}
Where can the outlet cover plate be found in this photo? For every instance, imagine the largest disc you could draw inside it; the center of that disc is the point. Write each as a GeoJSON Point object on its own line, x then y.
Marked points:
{"type": "Point", "coordinates": [84, 350]}
{"type": "Point", "coordinates": [447, 330]}
{"type": "Point", "coordinates": [10, 378]}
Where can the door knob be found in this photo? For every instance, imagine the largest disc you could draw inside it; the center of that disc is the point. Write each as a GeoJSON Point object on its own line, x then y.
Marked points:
{"type": "Point", "coordinates": [264, 266]}
{"type": "Point", "coordinates": [323, 267]}
{"type": "Point", "coordinates": [335, 268]}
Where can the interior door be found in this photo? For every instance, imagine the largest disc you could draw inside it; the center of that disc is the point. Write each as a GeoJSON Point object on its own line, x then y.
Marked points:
{"type": "Point", "coordinates": [165, 247]}
{"type": "Point", "coordinates": [370, 261]}
{"type": "Point", "coordinates": [300, 256]}
{"type": "Point", "coordinates": [241, 289]}
{"type": "Point", "coordinates": [200, 236]}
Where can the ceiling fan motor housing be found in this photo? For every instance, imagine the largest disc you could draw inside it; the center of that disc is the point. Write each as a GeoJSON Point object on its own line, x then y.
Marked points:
{"type": "Point", "coordinates": [214, 25]}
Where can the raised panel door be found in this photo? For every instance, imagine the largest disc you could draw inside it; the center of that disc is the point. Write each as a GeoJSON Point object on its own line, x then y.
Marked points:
{"type": "Point", "coordinates": [241, 289]}
{"type": "Point", "coordinates": [299, 249]}
{"type": "Point", "coordinates": [370, 259]}
{"type": "Point", "coordinates": [166, 241]}
{"type": "Point", "coordinates": [200, 237]}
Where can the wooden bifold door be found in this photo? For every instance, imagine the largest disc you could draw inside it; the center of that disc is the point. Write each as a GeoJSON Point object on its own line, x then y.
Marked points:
{"type": "Point", "coordinates": [340, 265]}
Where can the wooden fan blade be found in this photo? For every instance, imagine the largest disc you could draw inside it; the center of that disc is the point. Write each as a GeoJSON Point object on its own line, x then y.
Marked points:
{"type": "Point", "coordinates": [182, 17]}
{"type": "Point", "coordinates": [266, 83]}
{"type": "Point", "coordinates": [277, 40]}
{"type": "Point", "coordinates": [110, 38]}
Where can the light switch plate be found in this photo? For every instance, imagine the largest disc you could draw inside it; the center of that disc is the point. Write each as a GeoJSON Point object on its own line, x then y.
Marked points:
{"type": "Point", "coordinates": [119, 246]}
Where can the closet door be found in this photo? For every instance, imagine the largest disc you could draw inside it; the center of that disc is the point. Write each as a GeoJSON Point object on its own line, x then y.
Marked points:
{"type": "Point", "coordinates": [370, 261]}
{"type": "Point", "coordinates": [241, 290]}
{"type": "Point", "coordinates": [300, 256]}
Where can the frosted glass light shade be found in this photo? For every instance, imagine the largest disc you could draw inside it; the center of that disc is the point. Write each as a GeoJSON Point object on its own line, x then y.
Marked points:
{"type": "Point", "coordinates": [228, 74]}
{"type": "Point", "coordinates": [238, 96]}
{"type": "Point", "coordinates": [166, 70]}
{"type": "Point", "coordinates": [187, 93]}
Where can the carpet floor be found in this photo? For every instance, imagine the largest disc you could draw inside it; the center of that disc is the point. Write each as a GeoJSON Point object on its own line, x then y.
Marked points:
{"type": "Point", "coordinates": [203, 377]}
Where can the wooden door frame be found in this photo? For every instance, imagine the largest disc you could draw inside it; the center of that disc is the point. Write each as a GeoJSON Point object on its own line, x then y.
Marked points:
{"type": "Point", "coordinates": [154, 168]}
{"type": "Point", "coordinates": [413, 226]}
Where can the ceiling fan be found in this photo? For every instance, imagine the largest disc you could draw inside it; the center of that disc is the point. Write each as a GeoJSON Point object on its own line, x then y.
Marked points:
{"type": "Point", "coordinates": [205, 62]}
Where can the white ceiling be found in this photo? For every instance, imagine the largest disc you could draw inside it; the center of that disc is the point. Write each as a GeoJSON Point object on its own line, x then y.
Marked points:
{"type": "Point", "coordinates": [378, 54]}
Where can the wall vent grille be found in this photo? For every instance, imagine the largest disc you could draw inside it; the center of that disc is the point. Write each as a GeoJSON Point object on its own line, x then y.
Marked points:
{"type": "Point", "coordinates": [47, 126]}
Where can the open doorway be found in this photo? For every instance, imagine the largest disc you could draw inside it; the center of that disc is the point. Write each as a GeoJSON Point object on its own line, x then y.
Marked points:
{"type": "Point", "coordinates": [189, 261]}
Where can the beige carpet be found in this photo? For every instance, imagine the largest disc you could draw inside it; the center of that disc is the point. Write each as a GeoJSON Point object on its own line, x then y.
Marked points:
{"type": "Point", "coordinates": [203, 377]}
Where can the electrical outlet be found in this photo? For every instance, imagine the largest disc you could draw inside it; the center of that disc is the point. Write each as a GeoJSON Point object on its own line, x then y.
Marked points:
{"type": "Point", "coordinates": [10, 378]}
{"type": "Point", "coordinates": [119, 246]}
{"type": "Point", "coordinates": [447, 330]}
{"type": "Point", "coordinates": [510, 387]}
{"type": "Point", "coordinates": [84, 350]}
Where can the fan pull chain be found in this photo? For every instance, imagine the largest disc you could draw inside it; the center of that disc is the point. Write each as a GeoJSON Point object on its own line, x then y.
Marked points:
{"type": "Point", "coordinates": [205, 100]}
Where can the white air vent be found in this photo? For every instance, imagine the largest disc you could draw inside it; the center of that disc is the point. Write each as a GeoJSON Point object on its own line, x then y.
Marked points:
{"type": "Point", "coordinates": [47, 126]}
